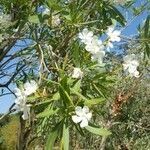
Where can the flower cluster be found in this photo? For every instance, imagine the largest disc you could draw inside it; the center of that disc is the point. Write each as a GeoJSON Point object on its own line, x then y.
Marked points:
{"type": "Point", "coordinates": [28, 89]}
{"type": "Point", "coordinates": [82, 116]}
{"type": "Point", "coordinates": [93, 45]}
{"type": "Point", "coordinates": [130, 64]}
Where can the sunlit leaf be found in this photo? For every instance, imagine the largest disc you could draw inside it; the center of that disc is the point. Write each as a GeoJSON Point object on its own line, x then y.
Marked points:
{"type": "Point", "coordinates": [65, 138]}
{"type": "Point", "coordinates": [47, 113]}
{"type": "Point", "coordinates": [94, 101]}
{"type": "Point", "coordinates": [33, 19]}
{"type": "Point", "coordinates": [51, 140]}
{"type": "Point", "coordinates": [98, 131]}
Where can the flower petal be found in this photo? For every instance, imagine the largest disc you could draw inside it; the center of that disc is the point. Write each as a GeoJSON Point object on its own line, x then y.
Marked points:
{"type": "Point", "coordinates": [17, 92]}
{"type": "Point", "coordinates": [84, 123]}
{"type": "Point", "coordinates": [117, 32]}
{"type": "Point", "coordinates": [30, 87]}
{"type": "Point", "coordinates": [26, 112]}
{"type": "Point", "coordinates": [110, 44]}
{"type": "Point", "coordinates": [136, 74]}
{"type": "Point", "coordinates": [79, 111]}
{"type": "Point", "coordinates": [89, 115]}
{"type": "Point", "coordinates": [76, 119]}
{"type": "Point", "coordinates": [110, 30]}
{"type": "Point", "coordinates": [85, 109]}
{"type": "Point", "coordinates": [90, 34]}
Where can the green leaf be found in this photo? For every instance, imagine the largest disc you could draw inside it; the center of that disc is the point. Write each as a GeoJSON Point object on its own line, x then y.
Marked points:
{"type": "Point", "coordinates": [54, 5]}
{"type": "Point", "coordinates": [53, 82]}
{"type": "Point", "coordinates": [146, 27]}
{"type": "Point", "coordinates": [65, 96]}
{"type": "Point", "coordinates": [147, 50]}
{"type": "Point", "coordinates": [67, 17]}
{"type": "Point", "coordinates": [77, 86]}
{"type": "Point", "coordinates": [64, 84]}
{"type": "Point", "coordinates": [98, 90]}
{"type": "Point", "coordinates": [94, 101]}
{"type": "Point", "coordinates": [51, 140]}
{"type": "Point", "coordinates": [47, 113]}
{"type": "Point", "coordinates": [56, 96]}
{"type": "Point", "coordinates": [78, 94]}
{"type": "Point", "coordinates": [57, 130]}
{"type": "Point", "coordinates": [65, 138]}
{"type": "Point", "coordinates": [115, 13]}
{"type": "Point", "coordinates": [34, 19]}
{"type": "Point", "coordinates": [98, 131]}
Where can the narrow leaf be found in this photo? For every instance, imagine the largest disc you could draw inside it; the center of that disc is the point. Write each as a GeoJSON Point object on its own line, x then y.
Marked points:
{"type": "Point", "coordinates": [78, 94]}
{"type": "Point", "coordinates": [33, 19]}
{"type": "Point", "coordinates": [77, 86]}
{"type": "Point", "coordinates": [65, 96]}
{"type": "Point", "coordinates": [47, 113]}
{"type": "Point", "coordinates": [51, 140]}
{"type": "Point", "coordinates": [94, 101]}
{"type": "Point", "coordinates": [146, 27]}
{"type": "Point", "coordinates": [65, 138]}
{"type": "Point", "coordinates": [98, 131]}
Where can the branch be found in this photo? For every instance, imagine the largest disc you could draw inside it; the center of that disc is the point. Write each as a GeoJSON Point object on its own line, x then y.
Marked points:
{"type": "Point", "coordinates": [12, 78]}
{"type": "Point", "coordinates": [4, 52]}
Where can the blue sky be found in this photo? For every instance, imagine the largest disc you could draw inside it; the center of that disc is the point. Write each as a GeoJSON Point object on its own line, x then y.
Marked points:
{"type": "Point", "coordinates": [7, 101]}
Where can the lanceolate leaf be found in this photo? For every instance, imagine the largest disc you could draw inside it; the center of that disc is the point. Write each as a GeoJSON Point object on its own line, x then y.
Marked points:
{"type": "Point", "coordinates": [147, 27]}
{"type": "Point", "coordinates": [53, 136]}
{"type": "Point", "coordinates": [78, 94]}
{"type": "Point", "coordinates": [98, 131]}
{"type": "Point", "coordinates": [147, 49]}
{"type": "Point", "coordinates": [65, 138]}
{"type": "Point", "coordinates": [94, 101]}
{"type": "Point", "coordinates": [65, 96]}
{"type": "Point", "coordinates": [33, 19]}
{"type": "Point", "coordinates": [51, 140]}
{"type": "Point", "coordinates": [77, 86]}
{"type": "Point", "coordinates": [115, 13]}
{"type": "Point", "coordinates": [47, 113]}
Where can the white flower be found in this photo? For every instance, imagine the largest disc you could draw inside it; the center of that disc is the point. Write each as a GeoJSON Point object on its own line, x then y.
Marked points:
{"type": "Point", "coordinates": [136, 74]}
{"type": "Point", "coordinates": [77, 73]}
{"type": "Point", "coordinates": [20, 101]}
{"type": "Point", "coordinates": [82, 116]}
{"type": "Point", "coordinates": [94, 46]}
{"type": "Point", "coordinates": [46, 11]}
{"type": "Point", "coordinates": [98, 57]}
{"type": "Point", "coordinates": [110, 45]}
{"type": "Point", "coordinates": [86, 36]}
{"type": "Point", "coordinates": [55, 20]}
{"type": "Point", "coordinates": [30, 87]}
{"type": "Point", "coordinates": [26, 112]}
{"type": "Point", "coordinates": [113, 34]}
{"type": "Point", "coordinates": [22, 106]}
{"type": "Point", "coordinates": [130, 64]}
{"type": "Point", "coordinates": [18, 92]}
